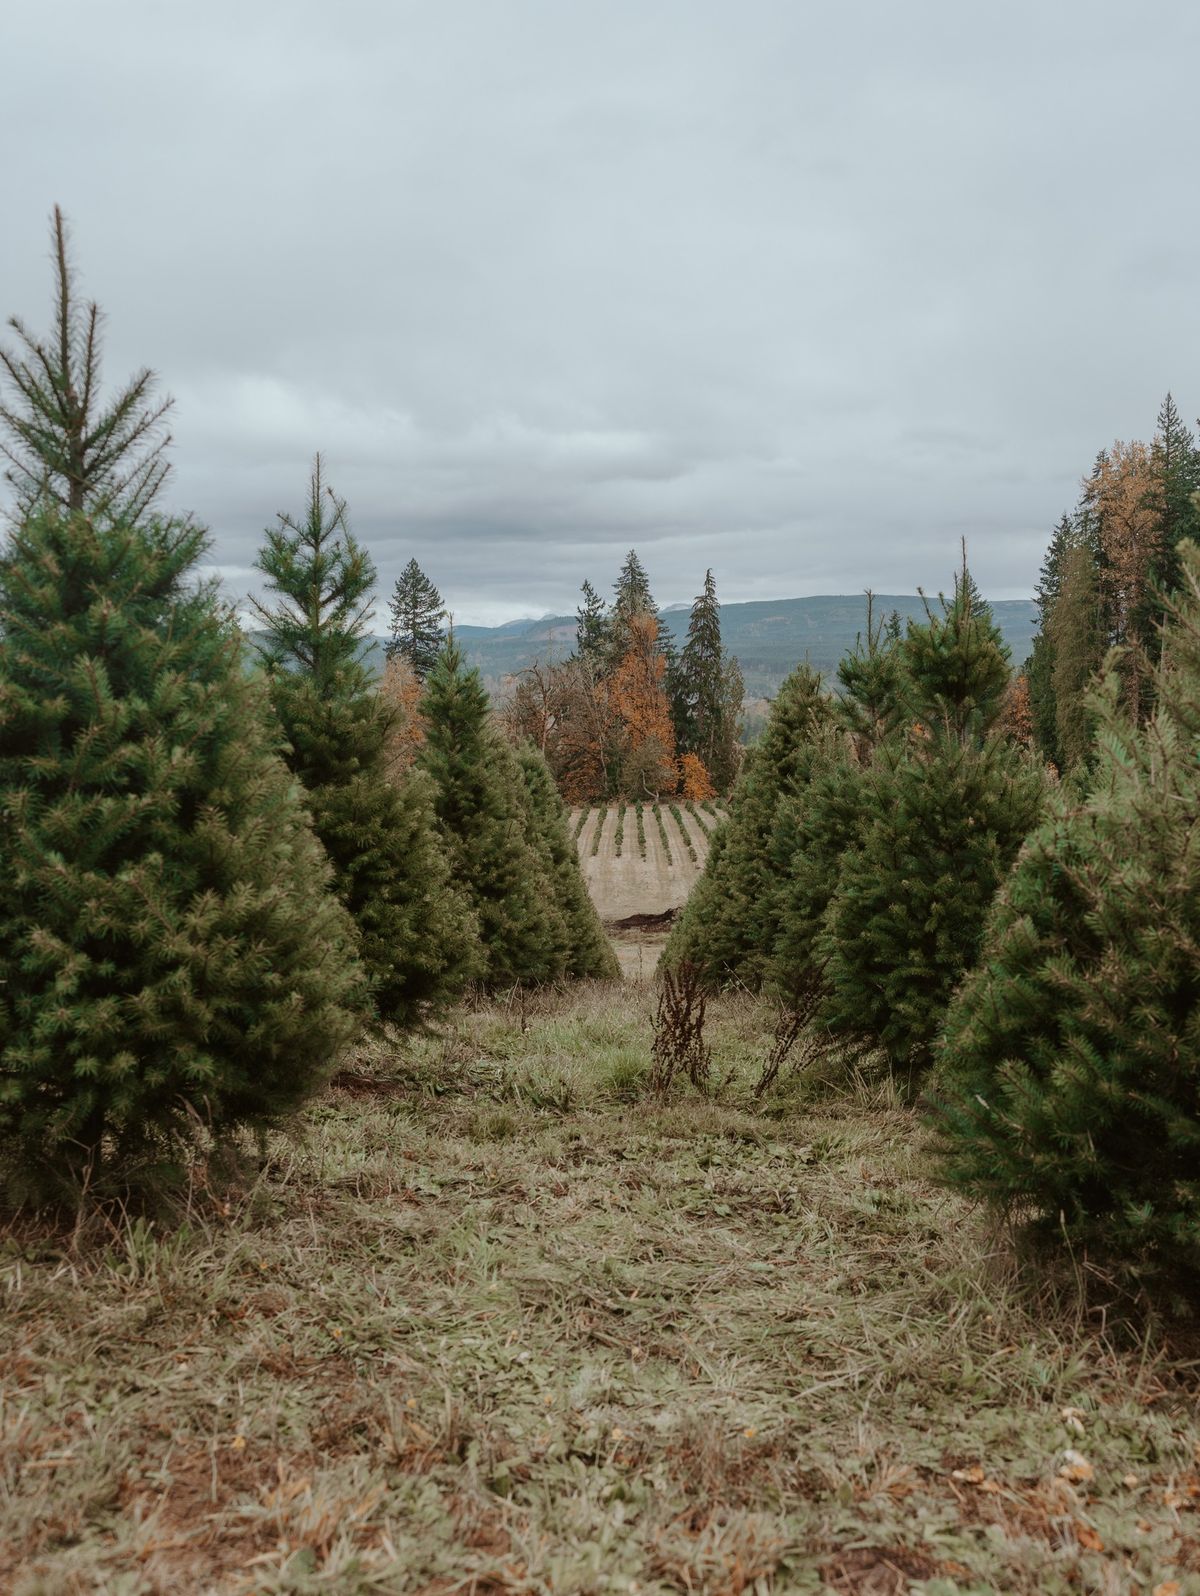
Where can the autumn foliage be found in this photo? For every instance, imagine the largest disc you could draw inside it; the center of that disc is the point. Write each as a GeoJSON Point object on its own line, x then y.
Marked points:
{"type": "Point", "coordinates": [695, 784]}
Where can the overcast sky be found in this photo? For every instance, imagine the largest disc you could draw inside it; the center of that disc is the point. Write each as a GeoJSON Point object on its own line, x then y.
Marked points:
{"type": "Point", "coordinates": [800, 291]}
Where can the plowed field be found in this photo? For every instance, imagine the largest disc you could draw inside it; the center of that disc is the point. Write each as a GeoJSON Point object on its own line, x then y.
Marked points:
{"type": "Point", "coordinates": [648, 873]}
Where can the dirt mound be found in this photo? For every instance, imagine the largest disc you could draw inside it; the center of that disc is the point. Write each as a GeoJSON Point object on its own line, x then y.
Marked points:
{"type": "Point", "coordinates": [645, 922]}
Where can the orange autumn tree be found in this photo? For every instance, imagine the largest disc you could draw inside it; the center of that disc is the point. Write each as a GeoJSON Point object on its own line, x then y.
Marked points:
{"type": "Point", "coordinates": [400, 690]}
{"type": "Point", "coordinates": [1120, 493]}
{"type": "Point", "coordinates": [640, 701]}
{"type": "Point", "coordinates": [695, 784]}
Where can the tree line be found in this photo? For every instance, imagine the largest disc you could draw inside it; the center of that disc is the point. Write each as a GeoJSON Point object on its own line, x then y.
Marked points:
{"type": "Point", "coordinates": [630, 714]}
{"type": "Point", "coordinates": [216, 870]}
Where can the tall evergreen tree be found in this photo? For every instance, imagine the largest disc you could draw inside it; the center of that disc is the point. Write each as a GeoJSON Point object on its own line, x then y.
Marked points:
{"type": "Point", "coordinates": [417, 617]}
{"type": "Point", "coordinates": [1068, 1083]}
{"type": "Point", "coordinates": [1074, 635]}
{"type": "Point", "coordinates": [417, 937]}
{"type": "Point", "coordinates": [713, 690]}
{"type": "Point", "coordinates": [169, 952]}
{"type": "Point", "coordinates": [591, 625]}
{"type": "Point", "coordinates": [632, 599]}
{"type": "Point", "coordinates": [1175, 469]}
{"type": "Point", "coordinates": [480, 804]}
{"type": "Point", "coordinates": [63, 444]}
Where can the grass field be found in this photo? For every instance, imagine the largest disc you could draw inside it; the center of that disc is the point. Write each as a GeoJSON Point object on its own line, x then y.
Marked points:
{"type": "Point", "coordinates": [496, 1323]}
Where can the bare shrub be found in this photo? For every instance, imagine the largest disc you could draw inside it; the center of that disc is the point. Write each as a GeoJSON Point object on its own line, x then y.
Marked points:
{"type": "Point", "coordinates": [679, 1029]}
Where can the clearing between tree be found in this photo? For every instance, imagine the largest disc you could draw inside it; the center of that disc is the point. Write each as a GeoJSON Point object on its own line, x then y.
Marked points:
{"type": "Point", "coordinates": [499, 1321]}
{"type": "Point", "coordinates": [642, 870]}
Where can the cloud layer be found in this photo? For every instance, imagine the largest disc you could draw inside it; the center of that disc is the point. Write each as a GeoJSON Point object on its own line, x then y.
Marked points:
{"type": "Point", "coordinates": [804, 293]}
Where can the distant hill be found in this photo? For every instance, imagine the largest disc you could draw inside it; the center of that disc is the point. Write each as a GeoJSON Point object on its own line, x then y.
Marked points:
{"type": "Point", "coordinates": [768, 636]}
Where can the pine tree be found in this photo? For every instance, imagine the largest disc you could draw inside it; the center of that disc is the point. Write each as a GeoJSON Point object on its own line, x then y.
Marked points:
{"type": "Point", "coordinates": [591, 626]}
{"type": "Point", "coordinates": [169, 952]}
{"type": "Point", "coordinates": [588, 951]}
{"type": "Point", "coordinates": [479, 797]}
{"type": "Point", "coordinates": [729, 924]}
{"type": "Point", "coordinates": [632, 600]}
{"type": "Point", "coordinates": [417, 621]}
{"type": "Point", "coordinates": [417, 937]}
{"type": "Point", "coordinates": [713, 691]}
{"type": "Point", "coordinates": [1068, 1085]}
{"type": "Point", "coordinates": [63, 445]}
{"type": "Point", "coordinates": [939, 829]}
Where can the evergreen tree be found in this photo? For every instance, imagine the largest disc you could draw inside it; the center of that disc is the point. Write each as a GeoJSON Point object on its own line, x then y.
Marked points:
{"type": "Point", "coordinates": [632, 600]}
{"type": "Point", "coordinates": [169, 952]}
{"type": "Point", "coordinates": [1068, 1082]}
{"type": "Point", "coordinates": [417, 938]}
{"type": "Point", "coordinates": [729, 924]}
{"type": "Point", "coordinates": [939, 829]}
{"type": "Point", "coordinates": [481, 809]}
{"type": "Point", "coordinates": [1042, 702]}
{"type": "Point", "coordinates": [417, 621]}
{"type": "Point", "coordinates": [1074, 637]}
{"type": "Point", "coordinates": [713, 691]}
{"type": "Point", "coordinates": [823, 818]}
{"type": "Point", "coordinates": [1175, 468]}
{"type": "Point", "coordinates": [591, 626]}
{"type": "Point", "coordinates": [588, 951]}
{"type": "Point", "coordinates": [63, 445]}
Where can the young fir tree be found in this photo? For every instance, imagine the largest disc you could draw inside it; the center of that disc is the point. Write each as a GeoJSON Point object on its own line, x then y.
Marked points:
{"type": "Point", "coordinates": [480, 801]}
{"type": "Point", "coordinates": [417, 617]}
{"type": "Point", "coordinates": [1068, 1075]}
{"type": "Point", "coordinates": [63, 445]}
{"type": "Point", "coordinates": [712, 690]}
{"type": "Point", "coordinates": [417, 937]}
{"type": "Point", "coordinates": [729, 925]}
{"type": "Point", "coordinates": [169, 952]}
{"type": "Point", "coordinates": [941, 826]}
{"type": "Point", "coordinates": [588, 951]}
{"type": "Point", "coordinates": [823, 819]}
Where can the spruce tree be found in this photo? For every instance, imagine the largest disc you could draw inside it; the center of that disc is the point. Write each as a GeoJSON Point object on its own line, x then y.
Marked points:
{"type": "Point", "coordinates": [479, 797]}
{"type": "Point", "coordinates": [588, 951]}
{"type": "Point", "coordinates": [1068, 1084]}
{"type": "Point", "coordinates": [940, 827]}
{"type": "Point", "coordinates": [632, 600]}
{"type": "Point", "coordinates": [729, 924]}
{"type": "Point", "coordinates": [1043, 705]}
{"type": "Point", "coordinates": [169, 952]}
{"type": "Point", "coordinates": [417, 617]}
{"type": "Point", "coordinates": [417, 937]}
{"type": "Point", "coordinates": [1175, 464]}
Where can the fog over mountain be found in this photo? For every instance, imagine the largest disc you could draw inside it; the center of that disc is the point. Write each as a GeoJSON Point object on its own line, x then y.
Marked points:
{"type": "Point", "coordinates": [803, 294]}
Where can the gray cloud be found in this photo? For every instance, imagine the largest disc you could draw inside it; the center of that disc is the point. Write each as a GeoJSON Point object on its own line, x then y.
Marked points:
{"type": "Point", "coordinates": [803, 292]}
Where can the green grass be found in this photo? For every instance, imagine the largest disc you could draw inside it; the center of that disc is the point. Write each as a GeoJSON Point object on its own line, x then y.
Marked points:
{"type": "Point", "coordinates": [641, 831]}
{"type": "Point", "coordinates": [581, 822]}
{"type": "Point", "coordinates": [601, 817]}
{"type": "Point", "coordinates": [698, 817]}
{"type": "Point", "coordinates": [619, 833]}
{"type": "Point", "coordinates": [495, 1322]}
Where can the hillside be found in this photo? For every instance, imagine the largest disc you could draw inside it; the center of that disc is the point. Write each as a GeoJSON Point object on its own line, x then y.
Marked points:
{"type": "Point", "coordinates": [768, 636]}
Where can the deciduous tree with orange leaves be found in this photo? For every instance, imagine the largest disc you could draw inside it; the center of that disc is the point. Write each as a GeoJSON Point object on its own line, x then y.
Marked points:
{"type": "Point", "coordinates": [640, 701]}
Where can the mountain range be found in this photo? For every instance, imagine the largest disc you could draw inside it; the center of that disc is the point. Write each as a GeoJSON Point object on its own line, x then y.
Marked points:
{"type": "Point", "coordinates": [768, 636]}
